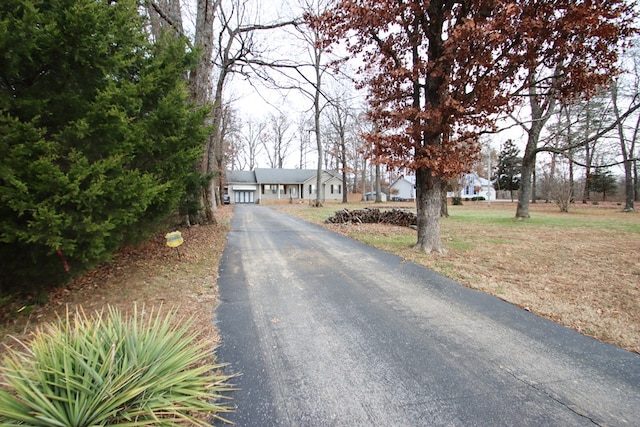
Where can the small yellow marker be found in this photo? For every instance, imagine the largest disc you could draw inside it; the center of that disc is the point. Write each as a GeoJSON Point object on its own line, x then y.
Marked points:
{"type": "Point", "coordinates": [174, 239]}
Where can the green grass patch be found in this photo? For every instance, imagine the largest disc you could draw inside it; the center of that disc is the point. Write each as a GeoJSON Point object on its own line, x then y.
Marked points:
{"type": "Point", "coordinates": [612, 220]}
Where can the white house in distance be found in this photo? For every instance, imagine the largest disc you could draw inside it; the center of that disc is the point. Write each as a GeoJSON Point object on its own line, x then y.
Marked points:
{"type": "Point", "coordinates": [404, 188]}
{"type": "Point", "coordinates": [292, 185]}
{"type": "Point", "coordinates": [471, 185]}
{"type": "Point", "coordinates": [474, 186]}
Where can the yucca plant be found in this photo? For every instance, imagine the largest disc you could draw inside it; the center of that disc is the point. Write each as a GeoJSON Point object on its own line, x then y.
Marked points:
{"type": "Point", "coordinates": [108, 369]}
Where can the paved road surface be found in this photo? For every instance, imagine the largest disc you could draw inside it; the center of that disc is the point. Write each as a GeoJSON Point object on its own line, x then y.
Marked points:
{"type": "Point", "coordinates": [329, 332]}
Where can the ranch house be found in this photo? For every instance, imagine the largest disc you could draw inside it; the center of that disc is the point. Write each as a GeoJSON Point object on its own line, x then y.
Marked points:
{"type": "Point", "coordinates": [294, 185]}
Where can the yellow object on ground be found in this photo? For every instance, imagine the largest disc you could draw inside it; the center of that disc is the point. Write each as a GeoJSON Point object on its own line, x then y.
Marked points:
{"type": "Point", "coordinates": [174, 239]}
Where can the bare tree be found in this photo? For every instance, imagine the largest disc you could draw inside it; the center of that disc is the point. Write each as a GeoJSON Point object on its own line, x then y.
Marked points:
{"type": "Point", "coordinates": [306, 76]}
{"type": "Point", "coordinates": [237, 48]}
{"type": "Point", "coordinates": [627, 147]}
{"type": "Point", "coordinates": [542, 108]}
{"type": "Point", "coordinates": [540, 90]}
{"type": "Point", "coordinates": [278, 143]}
{"type": "Point", "coordinates": [341, 119]}
{"type": "Point", "coordinates": [316, 54]}
{"type": "Point", "coordinates": [304, 140]}
{"type": "Point", "coordinates": [579, 121]}
{"type": "Point", "coordinates": [252, 135]}
{"type": "Point", "coordinates": [626, 89]}
{"type": "Point", "coordinates": [561, 191]}
{"type": "Point", "coordinates": [225, 36]}
{"type": "Point", "coordinates": [230, 137]}
{"type": "Point", "coordinates": [364, 149]}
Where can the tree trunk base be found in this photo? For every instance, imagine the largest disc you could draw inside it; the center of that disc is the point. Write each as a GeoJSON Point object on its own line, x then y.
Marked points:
{"type": "Point", "coordinates": [429, 250]}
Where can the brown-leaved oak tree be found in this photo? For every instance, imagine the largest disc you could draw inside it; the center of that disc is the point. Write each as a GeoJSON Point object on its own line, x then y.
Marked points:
{"type": "Point", "coordinates": [439, 71]}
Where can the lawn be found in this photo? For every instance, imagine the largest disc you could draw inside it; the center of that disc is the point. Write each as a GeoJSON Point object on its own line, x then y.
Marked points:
{"type": "Point", "coordinates": [581, 269]}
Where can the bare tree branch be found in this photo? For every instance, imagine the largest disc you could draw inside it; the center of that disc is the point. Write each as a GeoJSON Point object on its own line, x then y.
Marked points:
{"type": "Point", "coordinates": [592, 138]}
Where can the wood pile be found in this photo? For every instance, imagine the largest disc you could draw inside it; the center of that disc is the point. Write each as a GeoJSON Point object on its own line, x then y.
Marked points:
{"type": "Point", "coordinates": [399, 217]}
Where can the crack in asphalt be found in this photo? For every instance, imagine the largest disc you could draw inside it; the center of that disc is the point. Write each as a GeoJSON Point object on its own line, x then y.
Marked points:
{"type": "Point", "coordinates": [549, 395]}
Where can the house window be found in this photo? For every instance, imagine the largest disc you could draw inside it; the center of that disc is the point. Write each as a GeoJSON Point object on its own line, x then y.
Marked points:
{"type": "Point", "coordinates": [269, 188]}
{"type": "Point", "coordinates": [331, 188]}
{"type": "Point", "coordinates": [312, 189]}
{"type": "Point", "coordinates": [339, 188]}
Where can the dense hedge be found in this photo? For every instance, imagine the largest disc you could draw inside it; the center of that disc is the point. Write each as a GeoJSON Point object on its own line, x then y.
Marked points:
{"type": "Point", "coordinates": [97, 136]}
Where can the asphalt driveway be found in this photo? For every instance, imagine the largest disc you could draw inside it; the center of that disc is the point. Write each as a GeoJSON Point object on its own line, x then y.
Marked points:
{"type": "Point", "coordinates": [326, 331]}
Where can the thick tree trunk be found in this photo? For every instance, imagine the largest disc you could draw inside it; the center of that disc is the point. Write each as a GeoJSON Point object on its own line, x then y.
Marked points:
{"type": "Point", "coordinates": [428, 199]}
{"type": "Point", "coordinates": [627, 154]}
{"type": "Point", "coordinates": [540, 113]}
{"type": "Point", "coordinates": [527, 172]}
{"type": "Point", "coordinates": [216, 148]}
{"type": "Point", "coordinates": [164, 14]}
{"type": "Point", "coordinates": [201, 88]}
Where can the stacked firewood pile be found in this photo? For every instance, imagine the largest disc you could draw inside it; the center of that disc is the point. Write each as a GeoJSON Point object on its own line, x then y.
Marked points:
{"type": "Point", "coordinates": [399, 217]}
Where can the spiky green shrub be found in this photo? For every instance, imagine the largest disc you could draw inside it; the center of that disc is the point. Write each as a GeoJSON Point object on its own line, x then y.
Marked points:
{"type": "Point", "coordinates": [108, 369]}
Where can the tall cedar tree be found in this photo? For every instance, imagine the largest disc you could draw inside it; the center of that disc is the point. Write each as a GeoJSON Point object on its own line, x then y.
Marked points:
{"type": "Point", "coordinates": [436, 71]}
{"type": "Point", "coordinates": [97, 138]}
{"type": "Point", "coordinates": [509, 168]}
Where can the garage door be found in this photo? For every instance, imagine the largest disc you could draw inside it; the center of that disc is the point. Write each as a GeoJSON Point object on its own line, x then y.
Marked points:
{"type": "Point", "coordinates": [243, 196]}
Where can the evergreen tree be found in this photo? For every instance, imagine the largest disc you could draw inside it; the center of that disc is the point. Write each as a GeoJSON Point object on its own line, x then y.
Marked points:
{"type": "Point", "coordinates": [508, 170]}
{"type": "Point", "coordinates": [97, 138]}
{"type": "Point", "coordinates": [603, 181]}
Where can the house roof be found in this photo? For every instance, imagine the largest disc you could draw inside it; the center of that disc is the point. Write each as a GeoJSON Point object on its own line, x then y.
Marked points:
{"type": "Point", "coordinates": [273, 176]}
{"type": "Point", "coordinates": [284, 176]}
{"type": "Point", "coordinates": [483, 181]}
{"type": "Point", "coordinates": [248, 177]}
{"type": "Point", "coordinates": [411, 179]}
